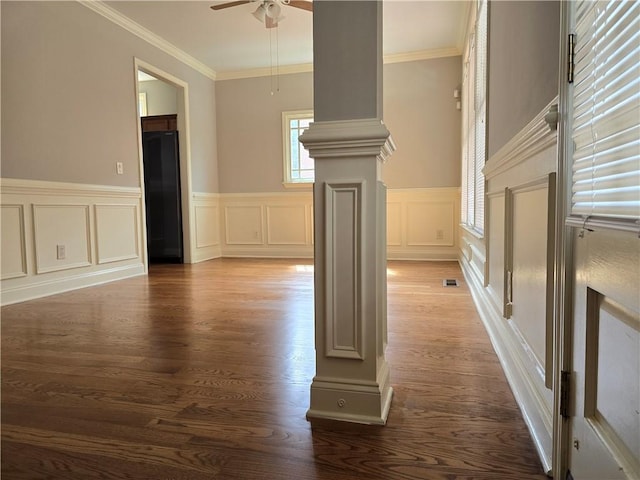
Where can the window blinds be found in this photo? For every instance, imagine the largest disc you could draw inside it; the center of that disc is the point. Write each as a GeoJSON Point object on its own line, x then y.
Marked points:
{"type": "Point", "coordinates": [480, 113]}
{"type": "Point", "coordinates": [474, 123]}
{"type": "Point", "coordinates": [606, 111]}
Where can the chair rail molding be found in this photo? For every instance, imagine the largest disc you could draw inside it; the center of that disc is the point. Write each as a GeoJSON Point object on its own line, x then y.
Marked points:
{"type": "Point", "coordinates": [534, 138]}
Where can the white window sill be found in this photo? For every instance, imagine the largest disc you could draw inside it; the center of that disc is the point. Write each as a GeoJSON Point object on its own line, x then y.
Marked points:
{"type": "Point", "coordinates": [472, 231]}
{"type": "Point", "coordinates": [298, 185]}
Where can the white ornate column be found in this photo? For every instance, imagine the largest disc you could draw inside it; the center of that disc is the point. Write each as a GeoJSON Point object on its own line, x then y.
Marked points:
{"type": "Point", "coordinates": [349, 142]}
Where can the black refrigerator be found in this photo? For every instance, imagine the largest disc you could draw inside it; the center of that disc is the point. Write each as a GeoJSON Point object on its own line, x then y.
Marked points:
{"type": "Point", "coordinates": [162, 196]}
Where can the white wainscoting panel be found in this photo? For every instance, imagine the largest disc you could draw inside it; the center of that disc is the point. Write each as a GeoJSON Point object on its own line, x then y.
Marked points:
{"type": "Point", "coordinates": [287, 225]}
{"type": "Point", "coordinates": [530, 270]}
{"type": "Point", "coordinates": [516, 246]}
{"type": "Point", "coordinates": [267, 224]}
{"type": "Point", "coordinates": [496, 267]}
{"type": "Point", "coordinates": [243, 224]}
{"type": "Point", "coordinates": [421, 224]}
{"type": "Point", "coordinates": [206, 223]}
{"type": "Point", "coordinates": [430, 224]}
{"type": "Point", "coordinates": [14, 261]}
{"type": "Point", "coordinates": [99, 227]}
{"type": "Point", "coordinates": [206, 208]}
{"type": "Point", "coordinates": [61, 225]}
{"type": "Point", "coordinates": [116, 232]}
{"type": "Point", "coordinates": [394, 224]}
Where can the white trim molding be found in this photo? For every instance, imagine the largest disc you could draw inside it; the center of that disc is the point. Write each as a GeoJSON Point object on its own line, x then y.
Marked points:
{"type": "Point", "coordinates": [349, 138]}
{"type": "Point", "coordinates": [67, 236]}
{"type": "Point", "coordinates": [206, 219]}
{"type": "Point", "coordinates": [534, 138]}
{"type": "Point", "coordinates": [535, 414]}
{"type": "Point", "coordinates": [308, 67]}
{"type": "Point", "coordinates": [344, 225]}
{"type": "Point", "coordinates": [422, 55]}
{"type": "Point", "coordinates": [520, 197]}
{"type": "Point", "coordinates": [148, 36]}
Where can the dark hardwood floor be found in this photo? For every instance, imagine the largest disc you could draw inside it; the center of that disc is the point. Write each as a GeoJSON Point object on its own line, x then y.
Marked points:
{"type": "Point", "coordinates": [203, 372]}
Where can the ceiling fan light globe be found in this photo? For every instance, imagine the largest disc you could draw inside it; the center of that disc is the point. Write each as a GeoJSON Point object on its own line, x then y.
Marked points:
{"type": "Point", "coordinates": [273, 10]}
{"type": "Point", "coordinates": [260, 13]}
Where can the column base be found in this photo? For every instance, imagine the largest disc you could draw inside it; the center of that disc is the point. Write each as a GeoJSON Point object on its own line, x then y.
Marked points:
{"type": "Point", "coordinates": [353, 401]}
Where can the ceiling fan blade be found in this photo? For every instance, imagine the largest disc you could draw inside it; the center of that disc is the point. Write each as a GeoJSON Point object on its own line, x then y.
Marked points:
{"type": "Point", "coordinates": [230, 4]}
{"type": "Point", "coordinates": [302, 4]}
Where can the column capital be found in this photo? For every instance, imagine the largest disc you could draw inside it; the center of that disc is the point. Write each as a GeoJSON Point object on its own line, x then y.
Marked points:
{"type": "Point", "coordinates": [348, 138]}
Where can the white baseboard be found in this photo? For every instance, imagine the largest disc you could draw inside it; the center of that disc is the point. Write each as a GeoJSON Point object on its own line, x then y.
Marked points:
{"type": "Point", "coordinates": [425, 254]}
{"type": "Point", "coordinates": [39, 289]}
{"type": "Point", "coordinates": [533, 408]}
{"type": "Point", "coordinates": [202, 254]}
{"type": "Point", "coordinates": [271, 251]}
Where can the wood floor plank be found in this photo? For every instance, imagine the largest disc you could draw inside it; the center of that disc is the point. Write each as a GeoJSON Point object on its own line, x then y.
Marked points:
{"type": "Point", "coordinates": [203, 371]}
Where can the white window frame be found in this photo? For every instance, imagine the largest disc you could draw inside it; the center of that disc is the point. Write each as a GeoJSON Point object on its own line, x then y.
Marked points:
{"type": "Point", "coordinates": [474, 94]}
{"type": "Point", "coordinates": [286, 148]}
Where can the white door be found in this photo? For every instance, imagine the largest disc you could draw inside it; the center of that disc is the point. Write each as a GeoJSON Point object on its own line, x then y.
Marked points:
{"type": "Point", "coordinates": [605, 432]}
{"type": "Point", "coordinates": [604, 165]}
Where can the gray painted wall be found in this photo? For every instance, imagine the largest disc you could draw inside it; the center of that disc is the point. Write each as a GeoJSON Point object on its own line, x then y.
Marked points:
{"type": "Point", "coordinates": [353, 75]}
{"type": "Point", "coordinates": [421, 114]}
{"type": "Point", "coordinates": [161, 97]}
{"type": "Point", "coordinates": [523, 65]}
{"type": "Point", "coordinates": [419, 111]}
{"type": "Point", "coordinates": [69, 103]}
{"type": "Point", "coordinates": [250, 129]}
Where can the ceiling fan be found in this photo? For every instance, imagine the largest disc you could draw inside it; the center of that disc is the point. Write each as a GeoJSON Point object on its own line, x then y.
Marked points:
{"type": "Point", "coordinates": [268, 12]}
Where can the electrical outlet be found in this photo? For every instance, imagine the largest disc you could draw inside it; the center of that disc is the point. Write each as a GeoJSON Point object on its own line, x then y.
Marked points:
{"type": "Point", "coordinates": [439, 235]}
{"type": "Point", "coordinates": [61, 252]}
{"type": "Point", "coordinates": [119, 168]}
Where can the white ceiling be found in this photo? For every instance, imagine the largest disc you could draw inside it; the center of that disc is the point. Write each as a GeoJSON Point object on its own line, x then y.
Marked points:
{"type": "Point", "coordinates": [232, 40]}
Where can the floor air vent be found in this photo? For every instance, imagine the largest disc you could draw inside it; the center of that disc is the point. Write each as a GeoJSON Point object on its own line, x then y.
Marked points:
{"type": "Point", "coordinates": [449, 282]}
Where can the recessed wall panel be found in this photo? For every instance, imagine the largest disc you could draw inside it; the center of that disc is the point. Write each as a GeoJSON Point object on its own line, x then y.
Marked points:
{"type": "Point", "coordinates": [13, 244]}
{"type": "Point", "coordinates": [243, 225]}
{"type": "Point", "coordinates": [496, 246]}
{"type": "Point", "coordinates": [529, 285]}
{"type": "Point", "coordinates": [430, 224]}
{"type": "Point", "coordinates": [61, 225]}
{"type": "Point", "coordinates": [394, 224]}
{"type": "Point", "coordinates": [207, 221]}
{"type": "Point", "coordinates": [116, 232]}
{"type": "Point", "coordinates": [613, 386]}
{"type": "Point", "coordinates": [343, 227]}
{"type": "Point", "coordinates": [286, 225]}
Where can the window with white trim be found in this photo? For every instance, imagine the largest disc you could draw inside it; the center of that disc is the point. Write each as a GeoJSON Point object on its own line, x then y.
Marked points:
{"type": "Point", "coordinates": [606, 113]}
{"type": "Point", "coordinates": [474, 113]}
{"type": "Point", "coordinates": [298, 165]}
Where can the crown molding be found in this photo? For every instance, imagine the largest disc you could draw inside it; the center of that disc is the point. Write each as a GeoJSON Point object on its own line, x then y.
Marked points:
{"type": "Point", "coordinates": [422, 55]}
{"type": "Point", "coordinates": [308, 67]}
{"type": "Point", "coordinates": [125, 22]}
{"type": "Point", "coordinates": [265, 71]}
{"type": "Point", "coordinates": [148, 36]}
{"type": "Point", "coordinates": [464, 24]}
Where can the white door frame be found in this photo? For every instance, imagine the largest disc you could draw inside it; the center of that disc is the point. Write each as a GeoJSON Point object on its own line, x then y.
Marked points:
{"type": "Point", "coordinates": [184, 145]}
{"type": "Point", "coordinates": [562, 361]}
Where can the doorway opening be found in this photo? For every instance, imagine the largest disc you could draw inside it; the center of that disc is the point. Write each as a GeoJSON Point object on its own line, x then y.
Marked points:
{"type": "Point", "coordinates": [165, 166]}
